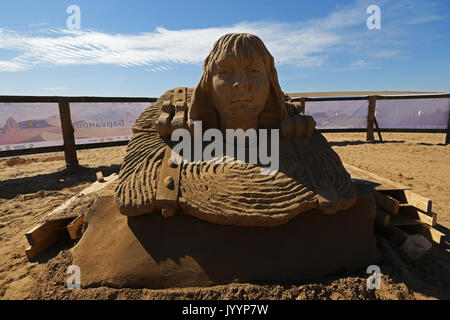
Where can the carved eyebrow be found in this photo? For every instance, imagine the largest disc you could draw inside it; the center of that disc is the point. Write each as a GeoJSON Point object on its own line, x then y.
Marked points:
{"type": "Point", "coordinates": [225, 62]}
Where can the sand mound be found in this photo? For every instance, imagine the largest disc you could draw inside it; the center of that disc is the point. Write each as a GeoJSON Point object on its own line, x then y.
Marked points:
{"type": "Point", "coordinates": [30, 190]}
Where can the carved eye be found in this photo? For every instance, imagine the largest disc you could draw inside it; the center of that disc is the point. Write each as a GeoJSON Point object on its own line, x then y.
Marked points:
{"type": "Point", "coordinates": [223, 72]}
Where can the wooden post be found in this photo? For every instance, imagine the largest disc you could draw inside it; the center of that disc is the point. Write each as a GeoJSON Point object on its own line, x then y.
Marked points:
{"type": "Point", "coordinates": [302, 106]}
{"type": "Point", "coordinates": [378, 128]}
{"type": "Point", "coordinates": [70, 151]}
{"type": "Point", "coordinates": [370, 117]}
{"type": "Point", "coordinates": [447, 137]}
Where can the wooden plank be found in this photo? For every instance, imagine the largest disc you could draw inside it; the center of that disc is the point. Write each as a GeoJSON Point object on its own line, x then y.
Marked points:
{"type": "Point", "coordinates": [370, 117]}
{"type": "Point", "coordinates": [42, 231]}
{"type": "Point", "coordinates": [417, 201]}
{"type": "Point", "coordinates": [373, 180]}
{"type": "Point", "coordinates": [74, 228]}
{"type": "Point", "coordinates": [44, 243]}
{"type": "Point", "coordinates": [70, 151]}
{"type": "Point", "coordinates": [427, 231]}
{"type": "Point", "coordinates": [100, 177]}
{"type": "Point", "coordinates": [428, 218]}
{"type": "Point", "coordinates": [399, 195]}
{"type": "Point", "coordinates": [95, 187]}
{"type": "Point", "coordinates": [386, 202]}
{"type": "Point", "coordinates": [46, 233]}
{"type": "Point", "coordinates": [382, 218]}
{"type": "Point", "coordinates": [404, 220]}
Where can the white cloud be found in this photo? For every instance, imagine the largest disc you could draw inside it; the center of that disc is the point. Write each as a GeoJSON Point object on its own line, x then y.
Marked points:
{"type": "Point", "coordinates": [361, 64]}
{"type": "Point", "coordinates": [67, 47]}
{"type": "Point", "coordinates": [55, 88]}
{"type": "Point", "coordinates": [304, 44]}
{"type": "Point", "coordinates": [386, 54]}
{"type": "Point", "coordinates": [37, 25]}
{"type": "Point", "coordinates": [12, 66]}
{"type": "Point", "coordinates": [425, 19]}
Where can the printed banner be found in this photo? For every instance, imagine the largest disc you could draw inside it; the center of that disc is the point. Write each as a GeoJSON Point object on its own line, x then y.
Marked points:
{"type": "Point", "coordinates": [413, 113]}
{"type": "Point", "coordinates": [29, 125]}
{"type": "Point", "coordinates": [345, 114]}
{"type": "Point", "coordinates": [34, 125]}
{"type": "Point", "coordinates": [104, 122]}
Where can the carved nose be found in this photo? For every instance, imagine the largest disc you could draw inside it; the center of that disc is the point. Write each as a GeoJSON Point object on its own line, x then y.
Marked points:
{"type": "Point", "coordinates": [240, 81]}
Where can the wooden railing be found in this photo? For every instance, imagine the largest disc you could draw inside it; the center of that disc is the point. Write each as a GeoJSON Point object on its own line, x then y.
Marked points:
{"type": "Point", "coordinates": [70, 148]}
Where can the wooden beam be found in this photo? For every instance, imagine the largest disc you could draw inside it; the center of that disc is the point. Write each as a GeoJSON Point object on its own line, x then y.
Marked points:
{"type": "Point", "coordinates": [74, 227]}
{"type": "Point", "coordinates": [378, 128]}
{"type": "Point", "coordinates": [42, 231]}
{"type": "Point", "coordinates": [417, 201]}
{"type": "Point", "coordinates": [70, 151]}
{"type": "Point", "coordinates": [406, 197]}
{"type": "Point", "coordinates": [428, 218]}
{"type": "Point", "coordinates": [382, 218]}
{"type": "Point", "coordinates": [373, 180]}
{"type": "Point", "coordinates": [370, 117]}
{"type": "Point", "coordinates": [44, 235]}
{"type": "Point", "coordinates": [386, 202]}
{"type": "Point", "coordinates": [44, 243]}
{"type": "Point", "coordinates": [404, 220]}
{"type": "Point", "coordinates": [427, 231]}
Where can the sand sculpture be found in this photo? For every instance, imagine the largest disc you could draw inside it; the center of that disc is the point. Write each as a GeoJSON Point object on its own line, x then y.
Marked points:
{"type": "Point", "coordinates": [227, 221]}
{"type": "Point", "coordinates": [238, 89]}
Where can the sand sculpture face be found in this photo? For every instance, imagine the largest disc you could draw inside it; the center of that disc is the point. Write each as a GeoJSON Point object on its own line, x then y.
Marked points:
{"type": "Point", "coordinates": [238, 89]}
{"type": "Point", "coordinates": [239, 86]}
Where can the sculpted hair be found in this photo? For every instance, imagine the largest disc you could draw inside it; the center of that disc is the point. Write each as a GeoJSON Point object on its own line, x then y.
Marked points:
{"type": "Point", "coordinates": [241, 46]}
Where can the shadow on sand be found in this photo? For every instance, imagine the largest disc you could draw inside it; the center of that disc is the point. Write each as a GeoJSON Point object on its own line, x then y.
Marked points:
{"type": "Point", "coordinates": [52, 181]}
{"type": "Point", "coordinates": [359, 142]}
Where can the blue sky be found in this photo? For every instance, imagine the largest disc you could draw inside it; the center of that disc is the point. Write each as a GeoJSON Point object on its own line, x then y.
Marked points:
{"type": "Point", "coordinates": [142, 48]}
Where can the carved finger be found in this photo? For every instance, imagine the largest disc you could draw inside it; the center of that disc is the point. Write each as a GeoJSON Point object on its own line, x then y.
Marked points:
{"type": "Point", "coordinates": [310, 126]}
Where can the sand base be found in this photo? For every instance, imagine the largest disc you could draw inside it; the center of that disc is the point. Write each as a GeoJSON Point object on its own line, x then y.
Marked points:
{"type": "Point", "coordinates": [155, 252]}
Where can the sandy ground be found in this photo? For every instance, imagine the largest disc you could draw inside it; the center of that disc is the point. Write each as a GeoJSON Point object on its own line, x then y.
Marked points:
{"type": "Point", "coordinates": [31, 187]}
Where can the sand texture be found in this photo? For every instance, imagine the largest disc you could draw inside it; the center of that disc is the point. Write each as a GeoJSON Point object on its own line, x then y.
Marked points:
{"type": "Point", "coordinates": [231, 193]}
{"type": "Point", "coordinates": [31, 187]}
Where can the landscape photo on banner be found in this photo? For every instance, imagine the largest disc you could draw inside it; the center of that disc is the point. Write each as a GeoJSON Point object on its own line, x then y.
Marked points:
{"type": "Point", "coordinates": [34, 125]}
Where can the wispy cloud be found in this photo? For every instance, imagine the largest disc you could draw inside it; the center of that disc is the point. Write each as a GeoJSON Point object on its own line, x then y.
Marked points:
{"type": "Point", "coordinates": [386, 54]}
{"type": "Point", "coordinates": [55, 88]}
{"type": "Point", "coordinates": [305, 44]}
{"type": "Point", "coordinates": [425, 19]}
{"type": "Point", "coordinates": [37, 25]}
{"type": "Point", "coordinates": [362, 64]}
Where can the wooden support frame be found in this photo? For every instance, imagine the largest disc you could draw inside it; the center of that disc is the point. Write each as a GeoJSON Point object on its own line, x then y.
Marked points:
{"type": "Point", "coordinates": [386, 202]}
{"type": "Point", "coordinates": [378, 128]}
{"type": "Point", "coordinates": [371, 117]}
{"type": "Point", "coordinates": [70, 151]}
{"type": "Point", "coordinates": [427, 231]}
{"type": "Point", "coordinates": [73, 161]}
{"type": "Point", "coordinates": [53, 229]}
